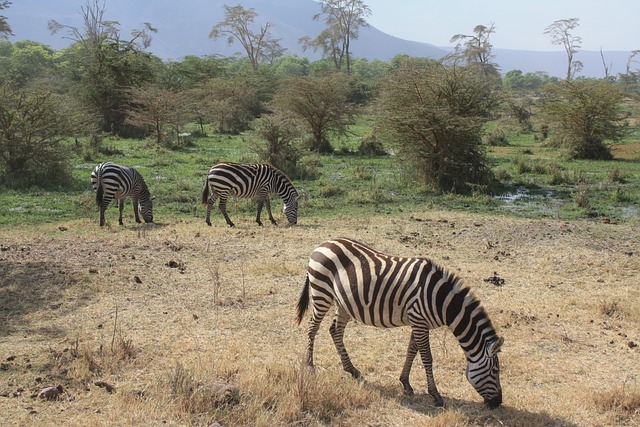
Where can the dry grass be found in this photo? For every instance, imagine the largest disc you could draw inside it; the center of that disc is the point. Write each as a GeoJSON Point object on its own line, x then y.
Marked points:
{"type": "Point", "coordinates": [166, 314]}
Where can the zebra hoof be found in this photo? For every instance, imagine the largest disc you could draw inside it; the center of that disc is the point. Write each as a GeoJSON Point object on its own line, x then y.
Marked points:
{"type": "Point", "coordinates": [355, 374]}
{"type": "Point", "coordinates": [438, 401]}
{"type": "Point", "coordinates": [209, 223]}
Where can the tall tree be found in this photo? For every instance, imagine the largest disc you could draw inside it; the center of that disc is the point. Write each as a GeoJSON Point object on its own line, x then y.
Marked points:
{"type": "Point", "coordinates": [476, 48]}
{"type": "Point", "coordinates": [343, 19]}
{"type": "Point", "coordinates": [5, 29]}
{"type": "Point", "coordinates": [106, 64]}
{"type": "Point", "coordinates": [560, 32]}
{"type": "Point", "coordinates": [260, 46]}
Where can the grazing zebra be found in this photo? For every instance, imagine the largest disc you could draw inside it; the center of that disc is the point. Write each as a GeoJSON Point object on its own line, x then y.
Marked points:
{"type": "Point", "coordinates": [388, 291]}
{"type": "Point", "coordinates": [248, 181]}
{"type": "Point", "coordinates": [110, 180]}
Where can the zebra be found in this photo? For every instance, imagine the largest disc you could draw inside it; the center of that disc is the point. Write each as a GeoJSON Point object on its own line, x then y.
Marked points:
{"type": "Point", "coordinates": [248, 180]}
{"type": "Point", "coordinates": [110, 180]}
{"type": "Point", "coordinates": [388, 291]}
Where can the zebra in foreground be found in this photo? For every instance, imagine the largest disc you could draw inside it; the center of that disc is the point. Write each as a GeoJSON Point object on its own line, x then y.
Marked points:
{"type": "Point", "coordinates": [114, 181]}
{"type": "Point", "coordinates": [388, 291]}
{"type": "Point", "coordinates": [249, 180]}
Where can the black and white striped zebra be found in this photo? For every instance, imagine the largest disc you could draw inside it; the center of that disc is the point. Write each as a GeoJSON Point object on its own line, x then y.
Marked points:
{"type": "Point", "coordinates": [389, 291]}
{"type": "Point", "coordinates": [114, 181]}
{"type": "Point", "coordinates": [249, 180]}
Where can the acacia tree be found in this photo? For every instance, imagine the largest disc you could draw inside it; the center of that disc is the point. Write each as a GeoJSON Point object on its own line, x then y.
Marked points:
{"type": "Point", "coordinates": [343, 19]}
{"type": "Point", "coordinates": [476, 48]}
{"type": "Point", "coordinates": [560, 32]}
{"type": "Point", "coordinates": [155, 108]}
{"type": "Point", "coordinates": [321, 103]}
{"type": "Point", "coordinates": [260, 46]}
{"type": "Point", "coordinates": [104, 64]}
{"type": "Point", "coordinates": [434, 114]}
{"type": "Point", "coordinates": [584, 115]}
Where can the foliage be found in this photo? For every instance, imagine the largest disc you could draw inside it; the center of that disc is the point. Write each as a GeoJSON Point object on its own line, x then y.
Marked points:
{"type": "Point", "coordinates": [321, 103]}
{"type": "Point", "coordinates": [260, 46]}
{"type": "Point", "coordinates": [583, 115]}
{"type": "Point", "coordinates": [33, 126]}
{"type": "Point", "coordinates": [25, 62]}
{"type": "Point", "coordinates": [435, 117]}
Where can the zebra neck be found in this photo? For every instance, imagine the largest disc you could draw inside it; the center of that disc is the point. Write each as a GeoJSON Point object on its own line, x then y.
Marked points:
{"type": "Point", "coordinates": [472, 328]}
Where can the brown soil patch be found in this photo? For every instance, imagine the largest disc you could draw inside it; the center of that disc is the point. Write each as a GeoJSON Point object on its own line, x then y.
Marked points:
{"type": "Point", "coordinates": [165, 314]}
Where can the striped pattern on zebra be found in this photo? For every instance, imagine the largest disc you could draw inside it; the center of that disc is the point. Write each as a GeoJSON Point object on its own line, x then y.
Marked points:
{"type": "Point", "coordinates": [249, 180]}
{"type": "Point", "coordinates": [114, 181]}
{"type": "Point", "coordinates": [389, 291]}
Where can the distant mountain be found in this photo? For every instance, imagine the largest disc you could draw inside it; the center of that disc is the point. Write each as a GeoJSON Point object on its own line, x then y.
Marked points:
{"type": "Point", "coordinates": [184, 26]}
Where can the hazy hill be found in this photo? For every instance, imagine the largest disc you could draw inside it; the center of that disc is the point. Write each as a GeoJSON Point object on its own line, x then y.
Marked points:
{"type": "Point", "coordinates": [183, 29]}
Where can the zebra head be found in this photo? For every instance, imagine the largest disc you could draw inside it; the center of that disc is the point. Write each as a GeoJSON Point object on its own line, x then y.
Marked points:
{"type": "Point", "coordinates": [484, 373]}
{"type": "Point", "coordinates": [291, 209]}
{"type": "Point", "coordinates": [146, 209]}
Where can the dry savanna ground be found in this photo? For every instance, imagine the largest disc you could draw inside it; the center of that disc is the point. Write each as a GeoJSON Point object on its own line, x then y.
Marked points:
{"type": "Point", "coordinates": [183, 324]}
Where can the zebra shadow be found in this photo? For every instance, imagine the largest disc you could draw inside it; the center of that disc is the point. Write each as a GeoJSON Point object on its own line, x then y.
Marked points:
{"type": "Point", "coordinates": [477, 412]}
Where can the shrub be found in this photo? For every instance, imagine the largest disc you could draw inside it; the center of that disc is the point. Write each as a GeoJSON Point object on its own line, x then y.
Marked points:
{"type": "Point", "coordinates": [435, 116]}
{"type": "Point", "coordinates": [583, 115]}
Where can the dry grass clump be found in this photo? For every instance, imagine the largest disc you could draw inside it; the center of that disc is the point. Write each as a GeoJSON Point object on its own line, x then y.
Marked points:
{"type": "Point", "coordinates": [611, 309]}
{"type": "Point", "coordinates": [621, 403]}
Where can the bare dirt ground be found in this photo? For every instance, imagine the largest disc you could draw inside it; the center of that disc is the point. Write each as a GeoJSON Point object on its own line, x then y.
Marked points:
{"type": "Point", "coordinates": [142, 325]}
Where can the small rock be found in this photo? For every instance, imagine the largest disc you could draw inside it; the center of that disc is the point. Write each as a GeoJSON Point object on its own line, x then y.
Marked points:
{"type": "Point", "coordinates": [137, 279]}
{"type": "Point", "coordinates": [632, 344]}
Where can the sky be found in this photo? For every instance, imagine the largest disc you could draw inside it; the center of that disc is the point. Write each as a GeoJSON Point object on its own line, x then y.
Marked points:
{"type": "Point", "coordinates": [519, 25]}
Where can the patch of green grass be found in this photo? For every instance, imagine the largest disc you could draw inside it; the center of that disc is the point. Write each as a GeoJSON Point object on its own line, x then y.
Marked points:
{"type": "Point", "coordinates": [343, 183]}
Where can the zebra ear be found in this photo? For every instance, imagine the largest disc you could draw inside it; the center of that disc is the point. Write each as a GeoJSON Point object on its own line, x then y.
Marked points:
{"type": "Point", "coordinates": [494, 347]}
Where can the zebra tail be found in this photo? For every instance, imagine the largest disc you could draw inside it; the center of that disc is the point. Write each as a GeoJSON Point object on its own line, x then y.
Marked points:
{"type": "Point", "coordinates": [303, 302]}
{"type": "Point", "coordinates": [99, 191]}
{"type": "Point", "coordinates": [205, 193]}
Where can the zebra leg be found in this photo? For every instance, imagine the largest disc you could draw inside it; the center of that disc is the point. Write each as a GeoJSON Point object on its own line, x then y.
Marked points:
{"type": "Point", "coordinates": [103, 207]}
{"type": "Point", "coordinates": [421, 335]}
{"type": "Point", "coordinates": [120, 208]}
{"type": "Point", "coordinates": [136, 208]}
{"type": "Point", "coordinates": [260, 202]}
{"type": "Point", "coordinates": [210, 202]}
{"type": "Point", "coordinates": [223, 209]}
{"type": "Point", "coordinates": [340, 321]}
{"type": "Point", "coordinates": [412, 350]}
{"type": "Point", "coordinates": [319, 311]}
{"type": "Point", "coordinates": [271, 218]}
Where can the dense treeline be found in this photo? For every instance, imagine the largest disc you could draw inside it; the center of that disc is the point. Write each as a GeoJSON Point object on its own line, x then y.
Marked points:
{"type": "Point", "coordinates": [430, 113]}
